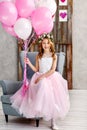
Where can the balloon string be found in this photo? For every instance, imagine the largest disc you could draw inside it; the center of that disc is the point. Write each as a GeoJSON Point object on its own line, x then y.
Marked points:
{"type": "Point", "coordinates": [25, 55]}
{"type": "Point", "coordinates": [29, 40]}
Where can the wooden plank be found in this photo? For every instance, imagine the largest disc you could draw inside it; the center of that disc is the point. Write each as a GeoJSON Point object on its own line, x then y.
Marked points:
{"type": "Point", "coordinates": [69, 65]}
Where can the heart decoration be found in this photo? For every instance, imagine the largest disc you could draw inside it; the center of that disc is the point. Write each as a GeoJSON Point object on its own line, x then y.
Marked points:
{"type": "Point", "coordinates": [63, 15]}
{"type": "Point", "coordinates": [62, 0]}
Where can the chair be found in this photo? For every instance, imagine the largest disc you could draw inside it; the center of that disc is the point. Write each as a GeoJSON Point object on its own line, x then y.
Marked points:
{"type": "Point", "coordinates": [10, 87]}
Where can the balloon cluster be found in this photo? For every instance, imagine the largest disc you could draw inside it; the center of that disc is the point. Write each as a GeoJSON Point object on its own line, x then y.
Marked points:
{"type": "Point", "coordinates": [19, 17]}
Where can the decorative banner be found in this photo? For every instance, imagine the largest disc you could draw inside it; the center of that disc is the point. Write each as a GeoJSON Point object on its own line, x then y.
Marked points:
{"type": "Point", "coordinates": [62, 2]}
{"type": "Point", "coordinates": [62, 15]}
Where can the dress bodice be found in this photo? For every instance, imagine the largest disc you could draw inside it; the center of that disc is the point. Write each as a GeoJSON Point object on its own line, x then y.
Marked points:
{"type": "Point", "coordinates": [45, 64]}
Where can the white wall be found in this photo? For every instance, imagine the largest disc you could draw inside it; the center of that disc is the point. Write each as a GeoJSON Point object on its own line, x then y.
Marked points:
{"type": "Point", "coordinates": [8, 56]}
{"type": "Point", "coordinates": [80, 44]}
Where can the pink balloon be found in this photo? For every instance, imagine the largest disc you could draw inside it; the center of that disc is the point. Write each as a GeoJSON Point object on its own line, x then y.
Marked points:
{"type": "Point", "coordinates": [7, 0]}
{"type": "Point", "coordinates": [9, 30]}
{"type": "Point", "coordinates": [50, 4]}
{"type": "Point", "coordinates": [8, 13]}
{"type": "Point", "coordinates": [42, 21]}
{"type": "Point", "coordinates": [25, 7]}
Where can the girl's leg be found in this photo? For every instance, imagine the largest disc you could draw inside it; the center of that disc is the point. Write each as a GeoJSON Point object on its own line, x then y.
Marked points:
{"type": "Point", "coordinates": [54, 124]}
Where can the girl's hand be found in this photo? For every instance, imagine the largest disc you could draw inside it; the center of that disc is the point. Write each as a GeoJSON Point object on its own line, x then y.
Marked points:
{"type": "Point", "coordinates": [38, 79]}
{"type": "Point", "coordinates": [26, 60]}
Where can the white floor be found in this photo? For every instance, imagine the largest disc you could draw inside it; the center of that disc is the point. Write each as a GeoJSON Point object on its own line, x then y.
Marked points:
{"type": "Point", "coordinates": [75, 120]}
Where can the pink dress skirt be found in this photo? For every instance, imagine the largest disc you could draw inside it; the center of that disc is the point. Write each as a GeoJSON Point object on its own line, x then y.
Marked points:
{"type": "Point", "coordinates": [49, 98]}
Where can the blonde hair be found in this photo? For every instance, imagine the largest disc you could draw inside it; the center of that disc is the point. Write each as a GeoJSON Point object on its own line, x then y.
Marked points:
{"type": "Point", "coordinates": [41, 50]}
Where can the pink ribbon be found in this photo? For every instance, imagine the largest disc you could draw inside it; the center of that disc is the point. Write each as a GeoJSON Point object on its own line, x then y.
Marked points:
{"type": "Point", "coordinates": [25, 85]}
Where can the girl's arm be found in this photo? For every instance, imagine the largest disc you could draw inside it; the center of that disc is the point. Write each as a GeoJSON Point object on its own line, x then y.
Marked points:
{"type": "Point", "coordinates": [34, 68]}
{"type": "Point", "coordinates": [51, 71]}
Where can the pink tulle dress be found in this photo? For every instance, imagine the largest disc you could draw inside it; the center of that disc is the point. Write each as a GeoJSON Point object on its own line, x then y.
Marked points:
{"type": "Point", "coordinates": [49, 98]}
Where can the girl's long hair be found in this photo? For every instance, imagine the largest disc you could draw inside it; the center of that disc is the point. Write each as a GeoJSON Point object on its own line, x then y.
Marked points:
{"type": "Point", "coordinates": [41, 50]}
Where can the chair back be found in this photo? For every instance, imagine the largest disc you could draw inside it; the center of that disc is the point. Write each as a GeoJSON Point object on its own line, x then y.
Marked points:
{"type": "Point", "coordinates": [32, 57]}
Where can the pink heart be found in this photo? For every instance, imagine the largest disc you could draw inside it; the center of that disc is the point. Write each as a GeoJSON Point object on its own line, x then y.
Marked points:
{"type": "Point", "coordinates": [63, 15]}
{"type": "Point", "coordinates": [62, 0]}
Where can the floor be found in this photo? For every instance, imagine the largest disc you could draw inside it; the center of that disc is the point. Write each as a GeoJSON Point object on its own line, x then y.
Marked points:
{"type": "Point", "coordinates": [75, 120]}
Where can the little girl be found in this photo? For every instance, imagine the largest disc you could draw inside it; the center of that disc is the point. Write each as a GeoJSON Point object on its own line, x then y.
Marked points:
{"type": "Point", "coordinates": [47, 95]}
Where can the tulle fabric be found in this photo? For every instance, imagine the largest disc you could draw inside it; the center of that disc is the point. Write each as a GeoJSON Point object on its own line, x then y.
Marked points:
{"type": "Point", "coordinates": [49, 98]}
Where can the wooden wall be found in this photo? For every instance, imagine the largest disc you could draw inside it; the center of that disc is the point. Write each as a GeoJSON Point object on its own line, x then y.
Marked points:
{"type": "Point", "coordinates": [62, 33]}
{"type": "Point", "coordinates": [63, 38]}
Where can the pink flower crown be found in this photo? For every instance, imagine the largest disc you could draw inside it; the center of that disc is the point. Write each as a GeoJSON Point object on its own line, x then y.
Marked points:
{"type": "Point", "coordinates": [45, 35]}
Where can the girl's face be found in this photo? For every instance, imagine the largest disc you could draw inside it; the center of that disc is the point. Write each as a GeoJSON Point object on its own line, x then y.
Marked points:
{"type": "Point", "coordinates": [46, 45]}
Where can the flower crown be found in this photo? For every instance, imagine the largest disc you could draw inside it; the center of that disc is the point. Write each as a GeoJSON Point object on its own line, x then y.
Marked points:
{"type": "Point", "coordinates": [45, 35]}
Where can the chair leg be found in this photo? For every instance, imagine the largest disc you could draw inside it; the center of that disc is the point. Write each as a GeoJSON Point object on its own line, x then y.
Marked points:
{"type": "Point", "coordinates": [6, 118]}
{"type": "Point", "coordinates": [37, 122]}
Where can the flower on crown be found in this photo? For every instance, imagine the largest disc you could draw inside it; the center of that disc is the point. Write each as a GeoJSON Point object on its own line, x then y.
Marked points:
{"type": "Point", "coordinates": [45, 35]}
